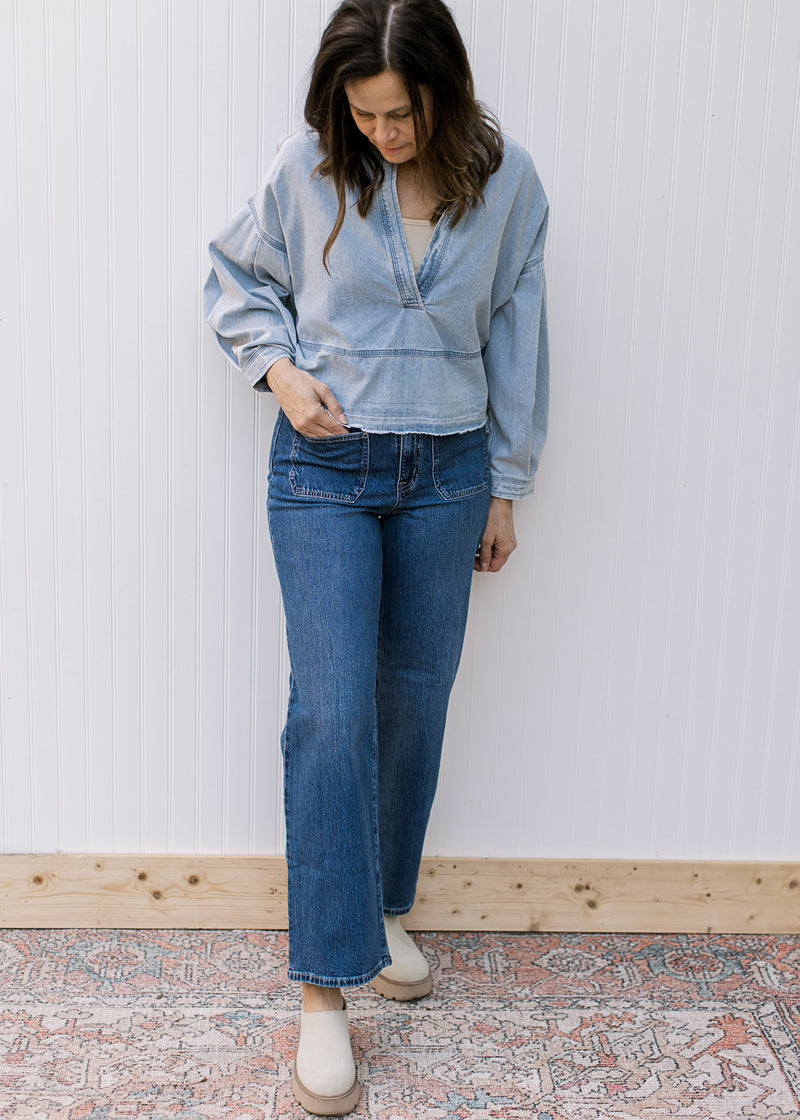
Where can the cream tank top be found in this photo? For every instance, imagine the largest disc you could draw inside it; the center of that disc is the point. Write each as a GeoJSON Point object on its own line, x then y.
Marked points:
{"type": "Point", "coordinates": [418, 233]}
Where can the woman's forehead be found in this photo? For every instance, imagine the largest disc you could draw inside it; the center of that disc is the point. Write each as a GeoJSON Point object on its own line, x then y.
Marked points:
{"type": "Point", "coordinates": [382, 93]}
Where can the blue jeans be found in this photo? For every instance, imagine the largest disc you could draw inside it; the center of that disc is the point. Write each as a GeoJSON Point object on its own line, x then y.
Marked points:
{"type": "Point", "coordinates": [374, 537]}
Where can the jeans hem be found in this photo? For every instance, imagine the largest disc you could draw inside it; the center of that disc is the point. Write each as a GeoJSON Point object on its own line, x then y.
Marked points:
{"type": "Point", "coordinates": [339, 981]}
{"type": "Point", "coordinates": [396, 911]}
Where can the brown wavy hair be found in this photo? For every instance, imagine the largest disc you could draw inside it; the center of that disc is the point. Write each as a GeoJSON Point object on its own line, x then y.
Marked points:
{"type": "Point", "coordinates": [419, 41]}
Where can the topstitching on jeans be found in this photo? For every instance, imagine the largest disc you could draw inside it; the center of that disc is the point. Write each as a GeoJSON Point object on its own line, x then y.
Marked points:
{"type": "Point", "coordinates": [474, 485]}
{"type": "Point", "coordinates": [311, 476]}
{"type": "Point", "coordinates": [409, 464]}
{"type": "Point", "coordinates": [286, 754]}
{"type": "Point", "coordinates": [375, 835]}
{"type": "Point", "coordinates": [340, 981]}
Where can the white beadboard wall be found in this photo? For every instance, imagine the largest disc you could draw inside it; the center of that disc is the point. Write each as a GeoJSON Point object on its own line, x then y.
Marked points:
{"type": "Point", "coordinates": [629, 686]}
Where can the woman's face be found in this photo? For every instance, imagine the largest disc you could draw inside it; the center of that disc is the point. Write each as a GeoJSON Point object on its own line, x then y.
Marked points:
{"type": "Point", "coordinates": [381, 109]}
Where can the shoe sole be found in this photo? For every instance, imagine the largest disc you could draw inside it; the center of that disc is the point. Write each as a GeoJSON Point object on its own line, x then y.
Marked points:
{"type": "Point", "coordinates": [325, 1106]}
{"type": "Point", "coordinates": [401, 989]}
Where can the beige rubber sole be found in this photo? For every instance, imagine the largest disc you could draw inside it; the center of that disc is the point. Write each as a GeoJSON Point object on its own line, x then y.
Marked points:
{"type": "Point", "coordinates": [325, 1106]}
{"type": "Point", "coordinates": [399, 989]}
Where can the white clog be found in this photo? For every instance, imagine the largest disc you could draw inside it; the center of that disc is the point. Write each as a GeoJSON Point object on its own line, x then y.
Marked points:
{"type": "Point", "coordinates": [408, 976]}
{"type": "Point", "coordinates": [324, 1078]}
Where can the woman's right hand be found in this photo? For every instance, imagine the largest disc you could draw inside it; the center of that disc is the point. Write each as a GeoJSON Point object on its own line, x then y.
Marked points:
{"type": "Point", "coordinates": [309, 404]}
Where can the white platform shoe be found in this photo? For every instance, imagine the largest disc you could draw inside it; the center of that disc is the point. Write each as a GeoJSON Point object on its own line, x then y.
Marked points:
{"type": "Point", "coordinates": [408, 976]}
{"type": "Point", "coordinates": [324, 1078]}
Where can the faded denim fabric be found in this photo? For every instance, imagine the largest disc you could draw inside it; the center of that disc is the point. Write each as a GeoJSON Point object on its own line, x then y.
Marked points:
{"type": "Point", "coordinates": [374, 536]}
{"type": "Point", "coordinates": [460, 343]}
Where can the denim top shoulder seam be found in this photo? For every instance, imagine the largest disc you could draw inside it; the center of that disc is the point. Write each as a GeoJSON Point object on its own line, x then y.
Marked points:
{"type": "Point", "coordinates": [458, 343]}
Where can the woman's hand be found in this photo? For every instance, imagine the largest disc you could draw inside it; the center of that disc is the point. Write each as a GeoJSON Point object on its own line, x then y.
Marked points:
{"type": "Point", "coordinates": [309, 404]}
{"type": "Point", "coordinates": [498, 540]}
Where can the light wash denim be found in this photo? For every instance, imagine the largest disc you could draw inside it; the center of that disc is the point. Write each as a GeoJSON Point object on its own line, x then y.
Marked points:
{"type": "Point", "coordinates": [459, 343]}
{"type": "Point", "coordinates": [374, 538]}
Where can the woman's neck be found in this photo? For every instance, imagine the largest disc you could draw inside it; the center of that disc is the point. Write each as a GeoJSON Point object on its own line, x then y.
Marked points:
{"type": "Point", "coordinates": [416, 199]}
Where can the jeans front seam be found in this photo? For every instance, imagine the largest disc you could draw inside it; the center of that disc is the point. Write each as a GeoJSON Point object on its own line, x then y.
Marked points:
{"type": "Point", "coordinates": [376, 835]}
{"type": "Point", "coordinates": [290, 892]}
{"type": "Point", "coordinates": [273, 444]}
{"type": "Point", "coordinates": [412, 479]}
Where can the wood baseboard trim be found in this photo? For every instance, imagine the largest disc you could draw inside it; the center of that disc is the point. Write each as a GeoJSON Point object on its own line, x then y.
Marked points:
{"type": "Point", "coordinates": [54, 891]}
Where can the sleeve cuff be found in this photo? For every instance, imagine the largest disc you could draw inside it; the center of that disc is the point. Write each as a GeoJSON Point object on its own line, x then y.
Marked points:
{"type": "Point", "coordinates": [255, 370]}
{"type": "Point", "coordinates": [513, 488]}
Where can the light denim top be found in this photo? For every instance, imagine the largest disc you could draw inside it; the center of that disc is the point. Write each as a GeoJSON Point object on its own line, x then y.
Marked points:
{"type": "Point", "coordinates": [456, 344]}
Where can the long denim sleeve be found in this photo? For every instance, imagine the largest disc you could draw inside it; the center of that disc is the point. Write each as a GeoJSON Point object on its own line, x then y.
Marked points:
{"type": "Point", "coordinates": [518, 342]}
{"type": "Point", "coordinates": [248, 298]}
{"type": "Point", "coordinates": [440, 349]}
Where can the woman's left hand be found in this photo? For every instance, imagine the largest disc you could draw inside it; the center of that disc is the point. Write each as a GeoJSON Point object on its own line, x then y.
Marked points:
{"type": "Point", "coordinates": [498, 540]}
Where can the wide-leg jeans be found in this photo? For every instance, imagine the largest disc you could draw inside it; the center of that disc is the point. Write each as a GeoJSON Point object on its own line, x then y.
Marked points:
{"type": "Point", "coordinates": [374, 537]}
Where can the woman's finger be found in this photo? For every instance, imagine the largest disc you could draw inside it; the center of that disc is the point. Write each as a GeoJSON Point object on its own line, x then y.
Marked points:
{"type": "Point", "coordinates": [331, 405]}
{"type": "Point", "coordinates": [317, 422]}
{"type": "Point", "coordinates": [483, 557]}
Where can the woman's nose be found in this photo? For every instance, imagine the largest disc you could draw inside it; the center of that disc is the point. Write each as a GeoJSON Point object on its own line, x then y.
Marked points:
{"type": "Point", "coordinates": [385, 131]}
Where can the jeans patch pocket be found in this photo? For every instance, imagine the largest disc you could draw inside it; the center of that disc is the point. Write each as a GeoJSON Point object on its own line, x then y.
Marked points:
{"type": "Point", "coordinates": [460, 464]}
{"type": "Point", "coordinates": [333, 467]}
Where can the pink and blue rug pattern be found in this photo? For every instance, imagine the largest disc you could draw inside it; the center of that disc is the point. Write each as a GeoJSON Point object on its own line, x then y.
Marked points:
{"type": "Point", "coordinates": [106, 1024]}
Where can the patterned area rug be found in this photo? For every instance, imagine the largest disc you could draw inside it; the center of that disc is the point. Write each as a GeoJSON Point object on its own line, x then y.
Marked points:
{"type": "Point", "coordinates": [105, 1024]}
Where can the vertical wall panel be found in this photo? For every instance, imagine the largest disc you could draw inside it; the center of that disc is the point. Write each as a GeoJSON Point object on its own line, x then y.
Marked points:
{"type": "Point", "coordinates": [69, 815]}
{"type": "Point", "coordinates": [15, 698]}
{"type": "Point", "coordinates": [94, 287]}
{"type": "Point", "coordinates": [37, 418]}
{"type": "Point", "coordinates": [629, 684]}
{"type": "Point", "coordinates": [154, 236]}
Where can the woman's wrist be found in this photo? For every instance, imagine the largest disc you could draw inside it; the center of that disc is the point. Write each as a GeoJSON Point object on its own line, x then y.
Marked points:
{"type": "Point", "coordinates": [283, 365]}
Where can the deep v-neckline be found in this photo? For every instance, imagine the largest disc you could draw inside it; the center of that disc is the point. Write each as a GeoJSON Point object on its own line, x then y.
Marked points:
{"type": "Point", "coordinates": [413, 285]}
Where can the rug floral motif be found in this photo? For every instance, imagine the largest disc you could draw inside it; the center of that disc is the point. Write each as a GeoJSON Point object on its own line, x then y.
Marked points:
{"type": "Point", "coordinates": [201, 1025]}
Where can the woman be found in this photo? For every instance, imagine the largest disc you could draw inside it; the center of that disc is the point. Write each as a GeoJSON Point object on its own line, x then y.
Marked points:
{"type": "Point", "coordinates": [385, 283]}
